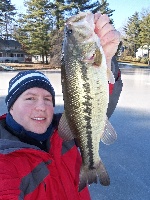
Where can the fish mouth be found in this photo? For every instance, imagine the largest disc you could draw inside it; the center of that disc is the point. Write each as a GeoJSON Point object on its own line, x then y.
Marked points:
{"type": "Point", "coordinates": [92, 60]}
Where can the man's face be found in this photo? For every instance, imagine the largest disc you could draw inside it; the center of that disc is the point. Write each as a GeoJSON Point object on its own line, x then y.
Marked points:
{"type": "Point", "coordinates": [33, 110]}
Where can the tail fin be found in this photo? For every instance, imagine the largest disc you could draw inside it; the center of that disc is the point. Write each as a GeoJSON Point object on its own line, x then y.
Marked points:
{"type": "Point", "coordinates": [89, 176]}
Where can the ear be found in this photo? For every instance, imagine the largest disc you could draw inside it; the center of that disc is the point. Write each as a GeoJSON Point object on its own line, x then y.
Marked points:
{"type": "Point", "coordinates": [11, 110]}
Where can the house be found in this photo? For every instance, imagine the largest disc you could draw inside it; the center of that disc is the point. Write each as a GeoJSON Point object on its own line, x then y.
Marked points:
{"type": "Point", "coordinates": [142, 52]}
{"type": "Point", "coordinates": [11, 51]}
{"type": "Point", "coordinates": [39, 59]}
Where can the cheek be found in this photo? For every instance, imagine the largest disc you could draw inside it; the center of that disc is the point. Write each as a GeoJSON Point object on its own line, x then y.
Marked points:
{"type": "Point", "coordinates": [50, 112]}
{"type": "Point", "coordinates": [24, 109]}
{"type": "Point", "coordinates": [20, 113]}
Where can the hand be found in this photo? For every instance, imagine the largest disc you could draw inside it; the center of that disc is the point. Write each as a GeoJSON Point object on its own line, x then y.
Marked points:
{"type": "Point", "coordinates": [109, 37]}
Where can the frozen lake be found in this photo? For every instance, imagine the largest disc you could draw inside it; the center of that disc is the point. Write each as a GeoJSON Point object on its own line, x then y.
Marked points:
{"type": "Point", "coordinates": [127, 160]}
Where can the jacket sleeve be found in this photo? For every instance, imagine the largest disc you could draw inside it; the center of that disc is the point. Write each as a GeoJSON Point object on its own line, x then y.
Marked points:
{"type": "Point", "coordinates": [9, 181]}
{"type": "Point", "coordinates": [114, 90]}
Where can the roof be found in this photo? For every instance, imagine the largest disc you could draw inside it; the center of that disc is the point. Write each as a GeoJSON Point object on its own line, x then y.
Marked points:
{"type": "Point", "coordinates": [9, 43]}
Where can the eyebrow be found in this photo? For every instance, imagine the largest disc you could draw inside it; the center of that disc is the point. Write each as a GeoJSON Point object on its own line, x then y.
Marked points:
{"type": "Point", "coordinates": [34, 94]}
{"type": "Point", "coordinates": [30, 93]}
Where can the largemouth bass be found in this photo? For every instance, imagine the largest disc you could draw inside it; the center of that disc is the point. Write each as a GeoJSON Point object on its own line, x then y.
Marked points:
{"type": "Point", "coordinates": [85, 76]}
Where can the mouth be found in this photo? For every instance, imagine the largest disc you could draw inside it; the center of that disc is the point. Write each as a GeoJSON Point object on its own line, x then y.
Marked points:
{"type": "Point", "coordinates": [39, 118]}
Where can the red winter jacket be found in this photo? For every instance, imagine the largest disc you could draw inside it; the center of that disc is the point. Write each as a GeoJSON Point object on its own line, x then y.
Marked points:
{"type": "Point", "coordinates": [27, 172]}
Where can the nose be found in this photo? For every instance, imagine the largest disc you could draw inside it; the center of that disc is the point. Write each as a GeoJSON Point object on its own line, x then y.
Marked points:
{"type": "Point", "coordinates": [40, 105]}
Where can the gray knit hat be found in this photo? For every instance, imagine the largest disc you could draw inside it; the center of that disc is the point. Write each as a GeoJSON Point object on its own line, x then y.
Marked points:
{"type": "Point", "coordinates": [25, 80]}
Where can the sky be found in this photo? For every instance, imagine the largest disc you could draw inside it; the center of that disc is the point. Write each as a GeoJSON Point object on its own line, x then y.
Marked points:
{"type": "Point", "coordinates": [123, 9]}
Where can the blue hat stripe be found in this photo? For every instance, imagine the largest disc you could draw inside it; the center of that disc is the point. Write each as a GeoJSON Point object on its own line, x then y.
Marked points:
{"type": "Point", "coordinates": [27, 82]}
{"type": "Point", "coordinates": [25, 77]}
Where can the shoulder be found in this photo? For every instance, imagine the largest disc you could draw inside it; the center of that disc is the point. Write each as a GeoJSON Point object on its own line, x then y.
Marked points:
{"type": "Point", "coordinates": [2, 121]}
{"type": "Point", "coordinates": [3, 116]}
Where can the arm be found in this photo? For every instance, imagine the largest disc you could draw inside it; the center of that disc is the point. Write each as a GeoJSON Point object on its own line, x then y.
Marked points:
{"type": "Point", "coordinates": [110, 39]}
{"type": "Point", "coordinates": [115, 90]}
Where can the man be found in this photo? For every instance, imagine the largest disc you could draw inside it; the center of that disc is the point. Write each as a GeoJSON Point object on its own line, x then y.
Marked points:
{"type": "Point", "coordinates": [35, 163]}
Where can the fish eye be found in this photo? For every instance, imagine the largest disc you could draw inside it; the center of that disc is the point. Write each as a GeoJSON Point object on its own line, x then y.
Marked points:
{"type": "Point", "coordinates": [69, 31]}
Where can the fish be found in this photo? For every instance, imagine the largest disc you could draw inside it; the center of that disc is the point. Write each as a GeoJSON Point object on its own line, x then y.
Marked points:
{"type": "Point", "coordinates": [84, 78]}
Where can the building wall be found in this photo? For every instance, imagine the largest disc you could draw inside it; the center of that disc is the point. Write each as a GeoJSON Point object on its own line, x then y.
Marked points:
{"type": "Point", "coordinates": [11, 51]}
{"type": "Point", "coordinates": [142, 52]}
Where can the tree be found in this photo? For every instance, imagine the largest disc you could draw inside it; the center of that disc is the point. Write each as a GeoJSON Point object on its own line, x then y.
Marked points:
{"type": "Point", "coordinates": [67, 9]}
{"type": "Point", "coordinates": [7, 13]}
{"type": "Point", "coordinates": [37, 28]}
{"type": "Point", "coordinates": [57, 9]}
{"type": "Point", "coordinates": [132, 30]}
{"type": "Point", "coordinates": [34, 30]}
{"type": "Point", "coordinates": [88, 5]}
{"type": "Point", "coordinates": [83, 5]}
{"type": "Point", "coordinates": [145, 12]}
{"type": "Point", "coordinates": [40, 30]}
{"type": "Point", "coordinates": [104, 9]}
{"type": "Point", "coordinates": [144, 35]}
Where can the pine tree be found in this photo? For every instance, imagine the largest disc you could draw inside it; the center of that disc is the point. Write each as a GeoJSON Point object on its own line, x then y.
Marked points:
{"type": "Point", "coordinates": [57, 9]}
{"type": "Point", "coordinates": [144, 35]}
{"type": "Point", "coordinates": [40, 29]}
{"type": "Point", "coordinates": [93, 6]}
{"type": "Point", "coordinates": [83, 5]}
{"type": "Point", "coordinates": [132, 30]}
{"type": "Point", "coordinates": [7, 13]}
{"type": "Point", "coordinates": [104, 8]}
{"type": "Point", "coordinates": [35, 26]}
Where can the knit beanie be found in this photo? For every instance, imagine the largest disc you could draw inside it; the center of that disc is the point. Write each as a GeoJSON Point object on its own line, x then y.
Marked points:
{"type": "Point", "coordinates": [25, 80]}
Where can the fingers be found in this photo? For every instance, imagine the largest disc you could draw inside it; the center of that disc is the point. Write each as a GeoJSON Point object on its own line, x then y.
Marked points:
{"type": "Point", "coordinates": [110, 50]}
{"type": "Point", "coordinates": [105, 29]}
{"type": "Point", "coordinates": [110, 37]}
{"type": "Point", "coordinates": [96, 16]}
{"type": "Point", "coordinates": [100, 21]}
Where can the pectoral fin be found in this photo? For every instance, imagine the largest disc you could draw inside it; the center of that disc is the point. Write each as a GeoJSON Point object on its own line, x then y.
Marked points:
{"type": "Point", "coordinates": [64, 129]}
{"type": "Point", "coordinates": [109, 136]}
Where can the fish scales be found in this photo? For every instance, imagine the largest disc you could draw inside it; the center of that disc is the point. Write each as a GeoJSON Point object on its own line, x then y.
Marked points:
{"type": "Point", "coordinates": [84, 102]}
{"type": "Point", "coordinates": [86, 94]}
